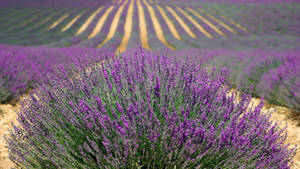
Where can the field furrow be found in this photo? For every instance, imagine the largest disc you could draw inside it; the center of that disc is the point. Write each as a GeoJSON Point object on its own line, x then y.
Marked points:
{"type": "Point", "coordinates": [195, 23]}
{"type": "Point", "coordinates": [47, 35]}
{"type": "Point", "coordinates": [100, 23]}
{"type": "Point", "coordinates": [30, 26]}
{"type": "Point", "coordinates": [114, 25]}
{"type": "Point", "coordinates": [169, 22]}
{"type": "Point", "coordinates": [113, 43]}
{"type": "Point", "coordinates": [58, 21]}
{"type": "Point", "coordinates": [24, 22]}
{"type": "Point", "coordinates": [16, 28]}
{"type": "Point", "coordinates": [169, 36]}
{"type": "Point", "coordinates": [72, 22]}
{"type": "Point", "coordinates": [39, 30]}
{"type": "Point", "coordinates": [19, 17]}
{"type": "Point", "coordinates": [143, 26]}
{"type": "Point", "coordinates": [221, 23]}
{"type": "Point", "coordinates": [127, 29]}
{"type": "Point", "coordinates": [231, 21]}
{"type": "Point", "coordinates": [186, 28]}
{"type": "Point", "coordinates": [88, 21]}
{"type": "Point", "coordinates": [205, 21]}
{"type": "Point", "coordinates": [158, 30]}
{"type": "Point", "coordinates": [10, 15]}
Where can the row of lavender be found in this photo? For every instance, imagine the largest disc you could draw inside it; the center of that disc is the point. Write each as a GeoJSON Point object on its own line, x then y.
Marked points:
{"type": "Point", "coordinates": [22, 67]}
{"type": "Point", "coordinates": [275, 75]}
{"type": "Point", "coordinates": [144, 111]}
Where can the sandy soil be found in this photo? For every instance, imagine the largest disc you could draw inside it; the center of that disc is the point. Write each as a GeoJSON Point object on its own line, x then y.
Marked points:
{"type": "Point", "coordinates": [7, 116]}
{"type": "Point", "coordinates": [281, 115]}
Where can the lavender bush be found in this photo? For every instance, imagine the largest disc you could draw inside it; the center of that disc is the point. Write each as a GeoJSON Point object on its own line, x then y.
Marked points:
{"type": "Point", "coordinates": [144, 111]}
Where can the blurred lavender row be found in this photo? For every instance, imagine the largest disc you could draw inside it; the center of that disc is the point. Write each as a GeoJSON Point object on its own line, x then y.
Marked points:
{"type": "Point", "coordinates": [22, 67]}
{"type": "Point", "coordinates": [275, 75]}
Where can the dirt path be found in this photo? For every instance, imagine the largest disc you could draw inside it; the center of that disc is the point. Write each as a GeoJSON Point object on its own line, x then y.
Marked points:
{"type": "Point", "coordinates": [281, 114]}
{"type": "Point", "coordinates": [7, 116]}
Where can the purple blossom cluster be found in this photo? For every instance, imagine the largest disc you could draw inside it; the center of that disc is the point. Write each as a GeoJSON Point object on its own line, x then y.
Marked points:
{"type": "Point", "coordinates": [22, 67]}
{"type": "Point", "coordinates": [144, 110]}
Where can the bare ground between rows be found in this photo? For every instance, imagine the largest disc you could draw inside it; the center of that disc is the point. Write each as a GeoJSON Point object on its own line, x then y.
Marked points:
{"type": "Point", "coordinates": [282, 115]}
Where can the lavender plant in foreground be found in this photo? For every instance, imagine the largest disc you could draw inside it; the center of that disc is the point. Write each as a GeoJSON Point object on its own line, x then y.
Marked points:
{"type": "Point", "coordinates": [144, 111]}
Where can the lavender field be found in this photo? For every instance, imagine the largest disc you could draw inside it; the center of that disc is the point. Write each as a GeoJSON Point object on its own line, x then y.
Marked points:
{"type": "Point", "coordinates": [149, 84]}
